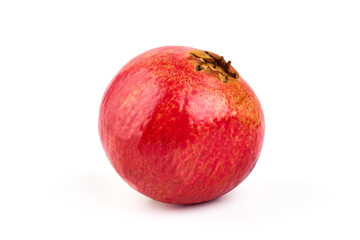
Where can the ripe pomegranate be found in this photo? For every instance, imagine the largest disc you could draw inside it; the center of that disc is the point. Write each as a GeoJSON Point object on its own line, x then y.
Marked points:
{"type": "Point", "coordinates": [180, 125]}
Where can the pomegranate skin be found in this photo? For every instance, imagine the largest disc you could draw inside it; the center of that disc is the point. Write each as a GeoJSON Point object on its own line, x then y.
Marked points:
{"type": "Point", "coordinates": [180, 125]}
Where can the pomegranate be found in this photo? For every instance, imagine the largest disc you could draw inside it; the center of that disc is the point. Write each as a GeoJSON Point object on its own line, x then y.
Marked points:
{"type": "Point", "coordinates": [180, 125]}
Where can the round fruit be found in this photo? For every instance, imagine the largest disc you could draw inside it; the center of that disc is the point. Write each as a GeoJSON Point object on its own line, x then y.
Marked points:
{"type": "Point", "coordinates": [180, 125]}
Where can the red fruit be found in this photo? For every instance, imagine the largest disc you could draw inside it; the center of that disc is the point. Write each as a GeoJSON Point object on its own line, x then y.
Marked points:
{"type": "Point", "coordinates": [180, 125]}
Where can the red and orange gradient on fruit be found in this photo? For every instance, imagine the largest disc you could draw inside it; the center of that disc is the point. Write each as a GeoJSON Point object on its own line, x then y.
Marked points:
{"type": "Point", "coordinates": [180, 125]}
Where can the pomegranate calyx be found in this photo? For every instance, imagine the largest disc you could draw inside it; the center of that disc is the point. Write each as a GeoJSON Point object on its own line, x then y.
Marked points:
{"type": "Point", "coordinates": [215, 63]}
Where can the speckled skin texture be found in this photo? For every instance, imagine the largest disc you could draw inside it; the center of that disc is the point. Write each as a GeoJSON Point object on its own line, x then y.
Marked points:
{"type": "Point", "coordinates": [178, 135]}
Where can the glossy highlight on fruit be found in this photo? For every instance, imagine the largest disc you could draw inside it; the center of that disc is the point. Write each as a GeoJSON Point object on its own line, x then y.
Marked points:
{"type": "Point", "coordinates": [180, 125]}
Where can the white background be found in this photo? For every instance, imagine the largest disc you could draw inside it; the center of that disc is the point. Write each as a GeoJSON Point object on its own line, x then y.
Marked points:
{"type": "Point", "coordinates": [302, 58]}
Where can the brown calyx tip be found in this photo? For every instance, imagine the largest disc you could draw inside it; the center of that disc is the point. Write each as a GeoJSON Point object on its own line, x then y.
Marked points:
{"type": "Point", "coordinates": [199, 68]}
{"type": "Point", "coordinates": [215, 63]}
